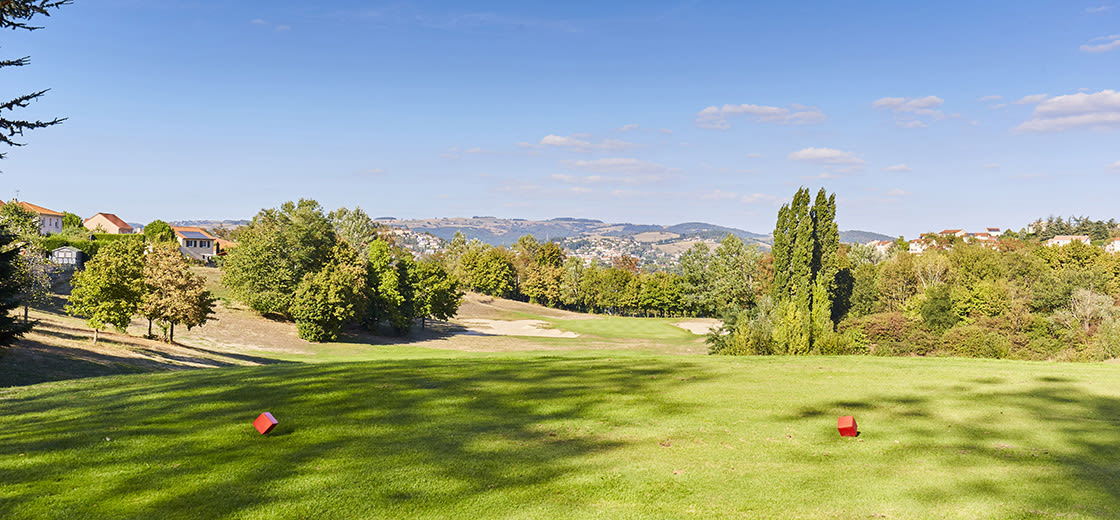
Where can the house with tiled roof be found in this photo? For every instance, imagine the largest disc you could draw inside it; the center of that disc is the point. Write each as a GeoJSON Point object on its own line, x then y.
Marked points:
{"type": "Point", "coordinates": [881, 247]}
{"type": "Point", "coordinates": [195, 242]}
{"type": "Point", "coordinates": [994, 231]}
{"type": "Point", "coordinates": [919, 246]}
{"type": "Point", "coordinates": [108, 223]}
{"type": "Point", "coordinates": [50, 221]}
{"type": "Point", "coordinates": [953, 232]}
{"type": "Point", "coordinates": [1065, 240]}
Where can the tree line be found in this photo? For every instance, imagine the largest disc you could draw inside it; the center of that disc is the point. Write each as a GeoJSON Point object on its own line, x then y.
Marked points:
{"type": "Point", "coordinates": [329, 271]}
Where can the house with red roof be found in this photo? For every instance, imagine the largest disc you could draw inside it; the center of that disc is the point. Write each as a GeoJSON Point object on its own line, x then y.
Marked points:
{"type": "Point", "coordinates": [50, 221]}
{"type": "Point", "coordinates": [195, 242]}
{"type": "Point", "coordinates": [108, 223]}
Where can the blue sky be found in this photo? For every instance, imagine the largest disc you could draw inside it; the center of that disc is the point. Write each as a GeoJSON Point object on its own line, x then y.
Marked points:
{"type": "Point", "coordinates": [919, 117]}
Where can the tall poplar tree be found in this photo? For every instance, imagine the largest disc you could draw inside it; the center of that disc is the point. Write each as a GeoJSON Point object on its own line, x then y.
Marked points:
{"type": "Point", "coordinates": [806, 242]}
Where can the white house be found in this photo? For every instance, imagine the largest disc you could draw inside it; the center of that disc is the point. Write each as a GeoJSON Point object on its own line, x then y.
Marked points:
{"type": "Point", "coordinates": [195, 242]}
{"type": "Point", "coordinates": [1065, 240]}
{"type": "Point", "coordinates": [50, 221]}
{"type": "Point", "coordinates": [918, 246]}
{"type": "Point", "coordinates": [1113, 246]}
{"type": "Point", "coordinates": [881, 247]}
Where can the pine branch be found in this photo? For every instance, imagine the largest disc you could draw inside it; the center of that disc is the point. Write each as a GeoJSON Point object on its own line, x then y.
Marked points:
{"type": "Point", "coordinates": [17, 14]}
{"type": "Point", "coordinates": [15, 63]}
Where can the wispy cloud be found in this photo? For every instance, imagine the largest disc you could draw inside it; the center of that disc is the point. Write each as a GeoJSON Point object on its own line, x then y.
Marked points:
{"type": "Point", "coordinates": [898, 168]}
{"type": "Point", "coordinates": [748, 198]}
{"type": "Point", "coordinates": [265, 23]}
{"type": "Point", "coordinates": [1099, 110]}
{"type": "Point", "coordinates": [907, 111]}
{"type": "Point", "coordinates": [897, 192]}
{"type": "Point", "coordinates": [1110, 42]}
{"type": "Point", "coordinates": [985, 99]}
{"type": "Point", "coordinates": [617, 165]}
{"type": "Point", "coordinates": [580, 143]}
{"type": "Point", "coordinates": [1115, 166]}
{"type": "Point", "coordinates": [828, 157]}
{"type": "Point", "coordinates": [1098, 9]}
{"type": "Point", "coordinates": [717, 116]}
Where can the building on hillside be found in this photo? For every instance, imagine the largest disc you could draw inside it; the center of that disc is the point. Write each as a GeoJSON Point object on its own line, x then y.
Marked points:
{"type": "Point", "coordinates": [881, 247]}
{"type": "Point", "coordinates": [68, 256]}
{"type": "Point", "coordinates": [994, 231]}
{"type": "Point", "coordinates": [195, 242]}
{"type": "Point", "coordinates": [50, 221]}
{"type": "Point", "coordinates": [1113, 246]}
{"type": "Point", "coordinates": [919, 246]}
{"type": "Point", "coordinates": [108, 223]}
{"type": "Point", "coordinates": [1065, 240]}
{"type": "Point", "coordinates": [953, 232]}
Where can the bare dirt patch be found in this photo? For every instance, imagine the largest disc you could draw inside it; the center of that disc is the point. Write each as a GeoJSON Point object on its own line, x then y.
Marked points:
{"type": "Point", "coordinates": [699, 326]}
{"type": "Point", "coordinates": [534, 328]}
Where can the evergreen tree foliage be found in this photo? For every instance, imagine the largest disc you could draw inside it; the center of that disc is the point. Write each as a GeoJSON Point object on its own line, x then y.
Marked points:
{"type": "Point", "coordinates": [18, 14]}
{"type": "Point", "coordinates": [10, 328]}
{"type": "Point", "coordinates": [109, 289]}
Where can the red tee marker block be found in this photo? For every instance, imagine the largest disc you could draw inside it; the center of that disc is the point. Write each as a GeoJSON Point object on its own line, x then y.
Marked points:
{"type": "Point", "coordinates": [847, 426]}
{"type": "Point", "coordinates": [265, 423]}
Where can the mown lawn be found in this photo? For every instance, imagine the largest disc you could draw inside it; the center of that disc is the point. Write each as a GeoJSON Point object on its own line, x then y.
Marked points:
{"type": "Point", "coordinates": [623, 327]}
{"type": "Point", "coordinates": [571, 435]}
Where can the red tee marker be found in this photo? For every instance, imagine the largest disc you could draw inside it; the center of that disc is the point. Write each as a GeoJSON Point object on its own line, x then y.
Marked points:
{"type": "Point", "coordinates": [265, 423]}
{"type": "Point", "coordinates": [847, 426]}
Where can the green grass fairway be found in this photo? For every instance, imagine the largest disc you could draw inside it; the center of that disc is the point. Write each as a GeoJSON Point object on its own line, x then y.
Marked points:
{"type": "Point", "coordinates": [573, 435]}
{"type": "Point", "coordinates": [619, 327]}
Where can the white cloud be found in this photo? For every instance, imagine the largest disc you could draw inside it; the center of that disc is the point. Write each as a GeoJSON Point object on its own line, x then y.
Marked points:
{"type": "Point", "coordinates": [716, 117]}
{"type": "Point", "coordinates": [749, 198]}
{"type": "Point", "coordinates": [754, 155]}
{"type": "Point", "coordinates": [258, 21]}
{"type": "Point", "coordinates": [719, 195]}
{"type": "Point", "coordinates": [629, 127]}
{"type": "Point", "coordinates": [283, 27]}
{"type": "Point", "coordinates": [1098, 9]}
{"type": "Point", "coordinates": [755, 198]}
{"type": "Point", "coordinates": [897, 193]}
{"type": "Point", "coordinates": [580, 143]}
{"type": "Point", "coordinates": [375, 171]}
{"type": "Point", "coordinates": [986, 99]}
{"type": "Point", "coordinates": [826, 156]}
{"type": "Point", "coordinates": [907, 110]}
{"type": "Point", "coordinates": [1111, 42]}
{"type": "Point", "coordinates": [1115, 165]}
{"type": "Point", "coordinates": [1099, 110]}
{"type": "Point", "coordinates": [1032, 99]}
{"type": "Point", "coordinates": [991, 166]}
{"type": "Point", "coordinates": [898, 168]}
{"type": "Point", "coordinates": [617, 165]}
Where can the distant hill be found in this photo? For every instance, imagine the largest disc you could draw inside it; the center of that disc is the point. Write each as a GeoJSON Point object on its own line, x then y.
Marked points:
{"type": "Point", "coordinates": [504, 232]}
{"type": "Point", "coordinates": [863, 237]}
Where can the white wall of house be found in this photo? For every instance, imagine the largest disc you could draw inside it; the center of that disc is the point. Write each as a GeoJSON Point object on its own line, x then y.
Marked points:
{"type": "Point", "coordinates": [50, 224]}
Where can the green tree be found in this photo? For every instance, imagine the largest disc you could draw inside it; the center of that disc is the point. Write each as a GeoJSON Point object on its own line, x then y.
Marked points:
{"type": "Point", "coordinates": [173, 295]}
{"type": "Point", "coordinates": [806, 243]}
{"type": "Point", "coordinates": [158, 231]}
{"type": "Point", "coordinates": [18, 14]}
{"type": "Point", "coordinates": [275, 252]}
{"type": "Point", "coordinates": [71, 221]}
{"type": "Point", "coordinates": [34, 278]}
{"type": "Point", "coordinates": [21, 221]}
{"type": "Point", "coordinates": [698, 280]}
{"type": "Point", "coordinates": [437, 292]}
{"type": "Point", "coordinates": [354, 227]}
{"type": "Point", "coordinates": [493, 273]}
{"type": "Point", "coordinates": [734, 271]}
{"type": "Point", "coordinates": [326, 300]}
{"type": "Point", "coordinates": [10, 328]}
{"type": "Point", "coordinates": [109, 289]}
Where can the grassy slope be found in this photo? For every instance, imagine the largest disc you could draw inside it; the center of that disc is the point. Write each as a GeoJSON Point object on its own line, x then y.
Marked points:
{"type": "Point", "coordinates": [612, 435]}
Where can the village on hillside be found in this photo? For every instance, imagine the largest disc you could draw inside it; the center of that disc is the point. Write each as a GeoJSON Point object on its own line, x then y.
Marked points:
{"type": "Point", "coordinates": [201, 245]}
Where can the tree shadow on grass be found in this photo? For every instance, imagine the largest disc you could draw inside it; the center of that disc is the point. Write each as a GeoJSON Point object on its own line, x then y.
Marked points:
{"type": "Point", "coordinates": [1050, 449]}
{"type": "Point", "coordinates": [387, 439]}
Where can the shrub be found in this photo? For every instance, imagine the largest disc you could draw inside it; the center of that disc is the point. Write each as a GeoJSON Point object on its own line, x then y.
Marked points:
{"type": "Point", "coordinates": [976, 341]}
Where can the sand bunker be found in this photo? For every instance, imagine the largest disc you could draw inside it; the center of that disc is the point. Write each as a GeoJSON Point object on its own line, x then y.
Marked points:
{"type": "Point", "coordinates": [699, 327]}
{"type": "Point", "coordinates": [514, 328]}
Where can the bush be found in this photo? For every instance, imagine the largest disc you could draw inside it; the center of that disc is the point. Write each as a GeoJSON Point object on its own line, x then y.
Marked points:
{"type": "Point", "coordinates": [976, 341]}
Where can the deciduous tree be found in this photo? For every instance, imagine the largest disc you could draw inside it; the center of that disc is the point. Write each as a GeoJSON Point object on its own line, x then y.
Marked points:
{"type": "Point", "coordinates": [108, 290]}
